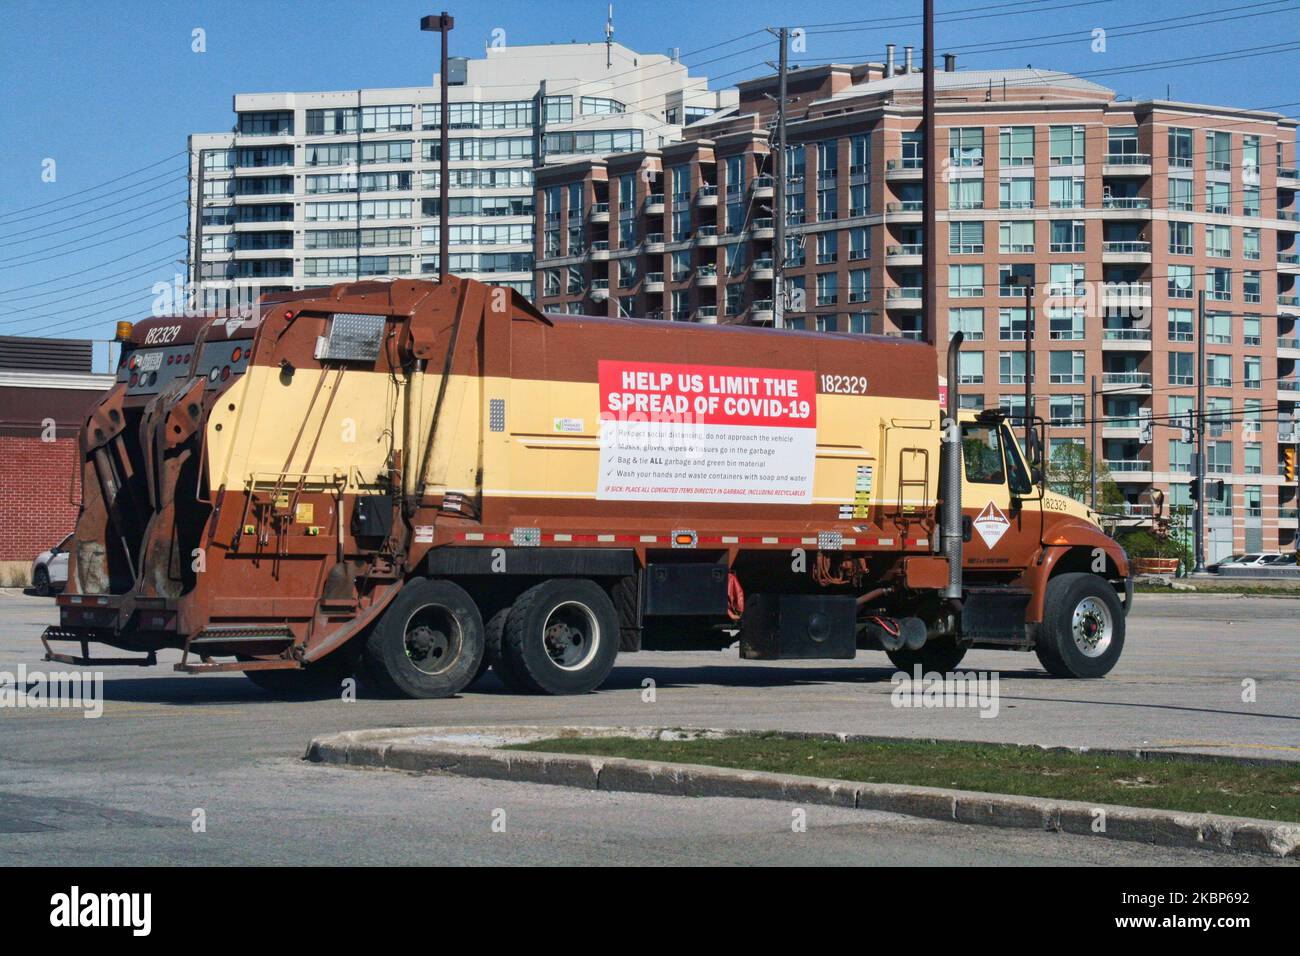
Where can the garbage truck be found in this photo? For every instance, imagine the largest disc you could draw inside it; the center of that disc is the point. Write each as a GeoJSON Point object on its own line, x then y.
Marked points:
{"type": "Point", "coordinates": [417, 481]}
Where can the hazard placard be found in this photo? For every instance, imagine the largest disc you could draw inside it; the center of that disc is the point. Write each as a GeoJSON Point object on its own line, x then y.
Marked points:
{"type": "Point", "coordinates": [991, 524]}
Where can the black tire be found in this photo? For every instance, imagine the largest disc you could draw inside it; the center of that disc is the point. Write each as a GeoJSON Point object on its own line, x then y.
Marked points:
{"type": "Point", "coordinates": [318, 681]}
{"type": "Point", "coordinates": [939, 654]}
{"type": "Point", "coordinates": [495, 632]}
{"type": "Point", "coordinates": [41, 581]}
{"type": "Point", "coordinates": [1062, 640]}
{"type": "Point", "coordinates": [428, 643]}
{"type": "Point", "coordinates": [561, 637]}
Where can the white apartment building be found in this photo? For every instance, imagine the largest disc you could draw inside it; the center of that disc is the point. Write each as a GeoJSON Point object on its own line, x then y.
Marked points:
{"type": "Point", "coordinates": [309, 189]}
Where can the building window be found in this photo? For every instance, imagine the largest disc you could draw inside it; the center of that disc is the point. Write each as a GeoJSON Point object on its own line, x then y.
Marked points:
{"type": "Point", "coordinates": [966, 146]}
{"type": "Point", "coordinates": [968, 194]}
{"type": "Point", "coordinates": [1065, 368]}
{"type": "Point", "coordinates": [1016, 237]}
{"type": "Point", "coordinates": [966, 238]}
{"type": "Point", "coordinates": [1180, 148]}
{"type": "Point", "coordinates": [970, 322]}
{"type": "Point", "coordinates": [1016, 146]}
{"type": "Point", "coordinates": [1065, 145]}
{"type": "Point", "coordinates": [1016, 193]}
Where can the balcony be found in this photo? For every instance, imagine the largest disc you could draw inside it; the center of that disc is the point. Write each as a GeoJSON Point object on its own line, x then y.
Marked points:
{"type": "Point", "coordinates": [654, 282]}
{"type": "Point", "coordinates": [1288, 262]}
{"type": "Point", "coordinates": [1126, 381]}
{"type": "Point", "coordinates": [599, 212]}
{"type": "Point", "coordinates": [762, 311]}
{"type": "Point", "coordinates": [905, 210]}
{"type": "Point", "coordinates": [1126, 339]}
{"type": "Point", "coordinates": [1127, 252]}
{"type": "Point", "coordinates": [706, 276]}
{"type": "Point", "coordinates": [763, 228]}
{"type": "Point", "coordinates": [903, 255]}
{"type": "Point", "coordinates": [1288, 219]}
{"type": "Point", "coordinates": [1126, 164]}
{"type": "Point", "coordinates": [707, 196]}
{"type": "Point", "coordinates": [904, 169]}
{"type": "Point", "coordinates": [1288, 389]}
{"type": "Point", "coordinates": [707, 315]}
{"type": "Point", "coordinates": [1289, 304]}
{"type": "Point", "coordinates": [1126, 202]}
{"type": "Point", "coordinates": [706, 236]}
{"type": "Point", "coordinates": [1288, 348]}
{"type": "Point", "coordinates": [761, 269]}
{"type": "Point", "coordinates": [654, 243]}
{"type": "Point", "coordinates": [1128, 295]}
{"type": "Point", "coordinates": [654, 204]}
{"type": "Point", "coordinates": [763, 186]}
{"type": "Point", "coordinates": [599, 251]}
{"type": "Point", "coordinates": [1131, 468]}
{"type": "Point", "coordinates": [599, 290]}
{"type": "Point", "coordinates": [903, 297]}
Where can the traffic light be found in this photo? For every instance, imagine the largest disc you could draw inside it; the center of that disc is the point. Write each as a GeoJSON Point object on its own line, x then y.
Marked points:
{"type": "Point", "coordinates": [1214, 489]}
{"type": "Point", "coordinates": [1288, 462]}
{"type": "Point", "coordinates": [1188, 437]}
{"type": "Point", "coordinates": [1194, 489]}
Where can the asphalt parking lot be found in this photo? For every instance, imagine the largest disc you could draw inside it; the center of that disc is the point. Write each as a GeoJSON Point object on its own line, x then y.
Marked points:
{"type": "Point", "coordinates": [1211, 673]}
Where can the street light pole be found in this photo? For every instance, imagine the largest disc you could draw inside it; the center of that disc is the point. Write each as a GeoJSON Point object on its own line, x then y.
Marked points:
{"type": "Point", "coordinates": [443, 24]}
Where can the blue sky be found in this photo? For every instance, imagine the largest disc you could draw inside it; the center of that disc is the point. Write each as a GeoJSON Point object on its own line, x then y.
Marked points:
{"type": "Point", "coordinates": [106, 88]}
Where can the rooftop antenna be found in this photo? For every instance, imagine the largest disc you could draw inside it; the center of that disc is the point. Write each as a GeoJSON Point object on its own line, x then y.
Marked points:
{"type": "Point", "coordinates": [609, 37]}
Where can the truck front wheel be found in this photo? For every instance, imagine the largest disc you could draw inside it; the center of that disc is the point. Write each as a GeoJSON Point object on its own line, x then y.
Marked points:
{"type": "Point", "coordinates": [561, 638]}
{"type": "Point", "coordinates": [429, 642]}
{"type": "Point", "coordinates": [1082, 634]}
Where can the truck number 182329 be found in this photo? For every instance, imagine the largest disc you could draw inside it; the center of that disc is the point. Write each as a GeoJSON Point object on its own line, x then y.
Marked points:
{"type": "Point", "coordinates": [844, 384]}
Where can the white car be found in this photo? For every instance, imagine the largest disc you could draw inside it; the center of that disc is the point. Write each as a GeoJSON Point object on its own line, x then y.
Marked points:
{"type": "Point", "coordinates": [50, 569]}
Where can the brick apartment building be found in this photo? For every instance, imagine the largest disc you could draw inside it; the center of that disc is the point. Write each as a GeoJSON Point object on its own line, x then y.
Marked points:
{"type": "Point", "coordinates": [1119, 212]}
{"type": "Point", "coordinates": [46, 388]}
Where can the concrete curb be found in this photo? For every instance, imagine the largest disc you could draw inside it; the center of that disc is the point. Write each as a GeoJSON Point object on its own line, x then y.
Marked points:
{"type": "Point", "coordinates": [401, 750]}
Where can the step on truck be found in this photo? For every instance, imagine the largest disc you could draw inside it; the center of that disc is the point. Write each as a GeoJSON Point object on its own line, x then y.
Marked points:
{"type": "Point", "coordinates": [418, 481]}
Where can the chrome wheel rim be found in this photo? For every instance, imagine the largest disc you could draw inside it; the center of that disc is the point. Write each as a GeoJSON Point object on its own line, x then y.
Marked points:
{"type": "Point", "coordinates": [1091, 627]}
{"type": "Point", "coordinates": [571, 636]}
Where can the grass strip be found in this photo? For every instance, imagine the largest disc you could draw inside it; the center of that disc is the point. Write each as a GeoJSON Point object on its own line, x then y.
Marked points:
{"type": "Point", "coordinates": [1267, 792]}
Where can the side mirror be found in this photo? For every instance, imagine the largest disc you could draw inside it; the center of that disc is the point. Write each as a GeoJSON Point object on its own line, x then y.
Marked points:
{"type": "Point", "coordinates": [1036, 474]}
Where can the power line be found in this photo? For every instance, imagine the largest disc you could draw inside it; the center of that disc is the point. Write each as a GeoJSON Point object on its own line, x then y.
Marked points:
{"type": "Point", "coordinates": [83, 222]}
{"type": "Point", "coordinates": [107, 182]}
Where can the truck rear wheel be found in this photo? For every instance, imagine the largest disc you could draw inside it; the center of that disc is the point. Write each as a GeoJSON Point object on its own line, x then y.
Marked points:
{"type": "Point", "coordinates": [939, 654]}
{"type": "Point", "coordinates": [561, 637]}
{"type": "Point", "coordinates": [495, 634]}
{"type": "Point", "coordinates": [1082, 634]}
{"type": "Point", "coordinates": [429, 641]}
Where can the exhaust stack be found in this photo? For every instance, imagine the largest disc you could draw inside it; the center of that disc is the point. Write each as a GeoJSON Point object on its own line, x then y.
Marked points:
{"type": "Point", "coordinates": [950, 517]}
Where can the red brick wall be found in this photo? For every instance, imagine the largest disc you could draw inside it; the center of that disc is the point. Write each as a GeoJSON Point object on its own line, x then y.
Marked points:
{"type": "Point", "coordinates": [40, 492]}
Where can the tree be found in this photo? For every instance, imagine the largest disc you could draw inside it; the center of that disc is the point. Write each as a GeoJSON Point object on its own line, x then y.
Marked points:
{"type": "Point", "coordinates": [1069, 473]}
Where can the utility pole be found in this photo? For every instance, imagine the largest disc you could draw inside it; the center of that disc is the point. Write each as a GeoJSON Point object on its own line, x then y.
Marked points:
{"type": "Point", "coordinates": [1029, 363]}
{"type": "Point", "coordinates": [778, 188]}
{"type": "Point", "coordinates": [929, 227]}
{"type": "Point", "coordinates": [1199, 478]}
{"type": "Point", "coordinates": [1092, 448]}
{"type": "Point", "coordinates": [196, 263]}
{"type": "Point", "coordinates": [1028, 283]}
{"type": "Point", "coordinates": [443, 24]}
